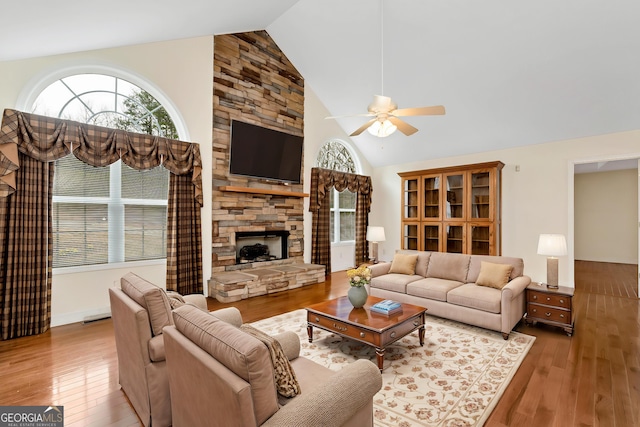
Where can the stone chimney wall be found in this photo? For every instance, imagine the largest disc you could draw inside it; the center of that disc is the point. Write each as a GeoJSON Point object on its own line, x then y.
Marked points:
{"type": "Point", "coordinates": [253, 82]}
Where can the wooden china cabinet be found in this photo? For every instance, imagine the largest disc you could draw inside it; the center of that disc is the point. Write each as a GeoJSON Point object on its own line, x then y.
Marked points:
{"type": "Point", "coordinates": [453, 209]}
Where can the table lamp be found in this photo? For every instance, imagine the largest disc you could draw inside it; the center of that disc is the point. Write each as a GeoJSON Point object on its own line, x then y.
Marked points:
{"type": "Point", "coordinates": [375, 235]}
{"type": "Point", "coordinates": [553, 246]}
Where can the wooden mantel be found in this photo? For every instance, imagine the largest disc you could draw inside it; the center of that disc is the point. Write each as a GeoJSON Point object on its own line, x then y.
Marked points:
{"type": "Point", "coordinates": [269, 191]}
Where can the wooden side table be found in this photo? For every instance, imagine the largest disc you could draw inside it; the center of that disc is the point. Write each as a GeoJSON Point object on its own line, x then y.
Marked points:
{"type": "Point", "coordinates": [550, 306]}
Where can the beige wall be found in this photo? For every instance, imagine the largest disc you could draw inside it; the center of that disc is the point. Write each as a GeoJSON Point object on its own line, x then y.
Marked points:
{"type": "Point", "coordinates": [187, 89]}
{"type": "Point", "coordinates": [537, 199]}
{"type": "Point", "coordinates": [606, 216]}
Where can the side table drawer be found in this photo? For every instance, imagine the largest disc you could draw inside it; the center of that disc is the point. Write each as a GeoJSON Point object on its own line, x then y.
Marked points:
{"type": "Point", "coordinates": [550, 299]}
{"type": "Point", "coordinates": [549, 313]}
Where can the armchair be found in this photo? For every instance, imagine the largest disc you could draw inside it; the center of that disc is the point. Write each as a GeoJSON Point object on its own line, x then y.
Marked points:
{"type": "Point", "coordinates": [220, 375]}
{"type": "Point", "coordinates": [140, 310]}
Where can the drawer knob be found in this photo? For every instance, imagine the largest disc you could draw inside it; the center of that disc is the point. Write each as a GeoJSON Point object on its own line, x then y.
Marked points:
{"type": "Point", "coordinates": [561, 301]}
{"type": "Point", "coordinates": [535, 297]}
{"type": "Point", "coordinates": [393, 334]}
{"type": "Point", "coordinates": [317, 320]}
{"type": "Point", "coordinates": [562, 315]}
{"type": "Point", "coordinates": [548, 314]}
{"type": "Point", "coordinates": [548, 299]}
{"type": "Point", "coordinates": [416, 323]}
{"type": "Point", "coordinates": [361, 334]}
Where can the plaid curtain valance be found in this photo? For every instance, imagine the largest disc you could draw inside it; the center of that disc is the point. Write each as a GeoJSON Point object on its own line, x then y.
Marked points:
{"type": "Point", "coordinates": [48, 139]}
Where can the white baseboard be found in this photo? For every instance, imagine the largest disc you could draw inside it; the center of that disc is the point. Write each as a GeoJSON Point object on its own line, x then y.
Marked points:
{"type": "Point", "coordinates": [80, 316]}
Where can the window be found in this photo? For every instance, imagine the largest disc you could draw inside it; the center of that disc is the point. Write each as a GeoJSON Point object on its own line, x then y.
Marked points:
{"type": "Point", "coordinates": [113, 214]}
{"type": "Point", "coordinates": [334, 155]}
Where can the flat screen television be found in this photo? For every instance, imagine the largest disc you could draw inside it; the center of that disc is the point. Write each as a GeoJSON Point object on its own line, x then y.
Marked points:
{"type": "Point", "coordinates": [259, 152]}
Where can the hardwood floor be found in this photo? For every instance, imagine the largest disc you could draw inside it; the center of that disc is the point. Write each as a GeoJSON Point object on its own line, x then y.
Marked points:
{"type": "Point", "coordinates": [590, 379]}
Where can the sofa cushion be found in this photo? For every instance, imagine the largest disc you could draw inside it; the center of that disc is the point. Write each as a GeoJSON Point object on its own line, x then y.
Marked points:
{"type": "Point", "coordinates": [404, 264]}
{"type": "Point", "coordinates": [432, 288]}
{"type": "Point", "coordinates": [494, 275]}
{"type": "Point", "coordinates": [448, 266]}
{"type": "Point", "coordinates": [394, 282]}
{"type": "Point", "coordinates": [478, 297]}
{"type": "Point", "coordinates": [286, 381]}
{"type": "Point", "coordinates": [151, 297]}
{"type": "Point", "coordinates": [476, 263]}
{"type": "Point", "coordinates": [244, 355]}
{"type": "Point", "coordinates": [423, 260]}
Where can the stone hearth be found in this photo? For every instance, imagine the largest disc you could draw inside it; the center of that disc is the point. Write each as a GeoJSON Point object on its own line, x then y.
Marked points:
{"type": "Point", "coordinates": [236, 285]}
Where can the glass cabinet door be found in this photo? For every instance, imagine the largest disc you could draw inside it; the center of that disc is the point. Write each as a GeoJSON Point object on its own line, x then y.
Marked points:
{"type": "Point", "coordinates": [410, 236]}
{"type": "Point", "coordinates": [431, 237]}
{"type": "Point", "coordinates": [454, 238]}
{"type": "Point", "coordinates": [480, 240]}
{"type": "Point", "coordinates": [431, 197]}
{"type": "Point", "coordinates": [455, 196]}
{"type": "Point", "coordinates": [411, 198]}
{"type": "Point", "coordinates": [481, 195]}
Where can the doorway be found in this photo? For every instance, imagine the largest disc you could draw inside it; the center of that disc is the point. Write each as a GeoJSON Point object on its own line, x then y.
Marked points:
{"type": "Point", "coordinates": [606, 207]}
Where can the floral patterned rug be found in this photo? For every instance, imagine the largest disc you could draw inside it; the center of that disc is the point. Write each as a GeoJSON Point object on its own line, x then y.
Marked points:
{"type": "Point", "coordinates": [455, 379]}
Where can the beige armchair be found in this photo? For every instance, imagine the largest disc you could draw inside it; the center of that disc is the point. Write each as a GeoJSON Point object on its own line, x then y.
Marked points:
{"type": "Point", "coordinates": [140, 310]}
{"type": "Point", "coordinates": [219, 375]}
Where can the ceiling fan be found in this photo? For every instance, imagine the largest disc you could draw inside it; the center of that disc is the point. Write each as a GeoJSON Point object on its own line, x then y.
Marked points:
{"type": "Point", "coordinates": [385, 112]}
{"type": "Point", "coordinates": [385, 115]}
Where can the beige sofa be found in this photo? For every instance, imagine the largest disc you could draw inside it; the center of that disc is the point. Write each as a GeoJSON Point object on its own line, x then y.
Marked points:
{"type": "Point", "coordinates": [221, 375]}
{"type": "Point", "coordinates": [448, 286]}
{"type": "Point", "coordinates": [140, 310]}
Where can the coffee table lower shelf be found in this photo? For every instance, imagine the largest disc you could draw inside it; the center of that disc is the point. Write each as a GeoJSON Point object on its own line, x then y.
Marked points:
{"type": "Point", "coordinates": [376, 330]}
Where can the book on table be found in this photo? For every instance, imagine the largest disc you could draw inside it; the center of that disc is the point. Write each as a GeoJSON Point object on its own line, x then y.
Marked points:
{"type": "Point", "coordinates": [386, 307]}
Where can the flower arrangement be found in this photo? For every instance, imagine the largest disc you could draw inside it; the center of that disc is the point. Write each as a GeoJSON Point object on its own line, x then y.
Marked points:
{"type": "Point", "coordinates": [359, 276]}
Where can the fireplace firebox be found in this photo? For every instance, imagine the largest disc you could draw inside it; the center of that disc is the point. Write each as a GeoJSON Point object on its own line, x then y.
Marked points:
{"type": "Point", "coordinates": [259, 246]}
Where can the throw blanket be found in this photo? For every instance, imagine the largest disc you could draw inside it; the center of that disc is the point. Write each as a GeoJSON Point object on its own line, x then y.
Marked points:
{"type": "Point", "coordinates": [286, 381]}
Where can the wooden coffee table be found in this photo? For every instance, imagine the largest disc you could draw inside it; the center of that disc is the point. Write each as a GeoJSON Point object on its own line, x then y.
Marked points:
{"type": "Point", "coordinates": [361, 324]}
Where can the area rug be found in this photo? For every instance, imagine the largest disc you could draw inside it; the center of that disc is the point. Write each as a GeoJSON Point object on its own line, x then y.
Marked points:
{"type": "Point", "coordinates": [455, 379]}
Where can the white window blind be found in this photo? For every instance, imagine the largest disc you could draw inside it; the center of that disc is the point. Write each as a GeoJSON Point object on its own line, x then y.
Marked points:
{"type": "Point", "coordinates": [108, 215]}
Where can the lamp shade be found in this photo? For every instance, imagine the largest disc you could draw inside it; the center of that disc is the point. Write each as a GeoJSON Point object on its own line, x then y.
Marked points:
{"type": "Point", "coordinates": [552, 245]}
{"type": "Point", "coordinates": [375, 234]}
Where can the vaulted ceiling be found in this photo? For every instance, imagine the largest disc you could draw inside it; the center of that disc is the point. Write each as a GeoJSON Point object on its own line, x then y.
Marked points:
{"type": "Point", "coordinates": [509, 73]}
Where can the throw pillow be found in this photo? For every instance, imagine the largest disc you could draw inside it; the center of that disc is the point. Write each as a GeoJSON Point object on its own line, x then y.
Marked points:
{"type": "Point", "coordinates": [494, 275]}
{"type": "Point", "coordinates": [286, 381]}
{"type": "Point", "coordinates": [404, 264]}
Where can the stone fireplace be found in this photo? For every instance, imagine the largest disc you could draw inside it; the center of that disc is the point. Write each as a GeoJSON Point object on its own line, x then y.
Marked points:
{"type": "Point", "coordinates": [260, 246]}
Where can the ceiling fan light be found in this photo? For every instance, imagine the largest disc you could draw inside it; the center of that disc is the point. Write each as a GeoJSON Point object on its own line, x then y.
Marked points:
{"type": "Point", "coordinates": [382, 129]}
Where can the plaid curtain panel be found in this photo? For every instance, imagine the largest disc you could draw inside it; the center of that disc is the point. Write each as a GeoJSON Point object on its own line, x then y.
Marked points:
{"type": "Point", "coordinates": [184, 240]}
{"type": "Point", "coordinates": [26, 251]}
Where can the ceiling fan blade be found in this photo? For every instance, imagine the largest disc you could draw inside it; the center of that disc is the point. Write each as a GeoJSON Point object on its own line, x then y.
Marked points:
{"type": "Point", "coordinates": [420, 111]}
{"type": "Point", "coordinates": [363, 127]}
{"type": "Point", "coordinates": [403, 126]}
{"type": "Point", "coordinates": [350, 115]}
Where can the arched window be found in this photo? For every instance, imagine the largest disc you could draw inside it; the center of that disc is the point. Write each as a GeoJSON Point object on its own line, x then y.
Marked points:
{"type": "Point", "coordinates": [113, 214]}
{"type": "Point", "coordinates": [335, 155]}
